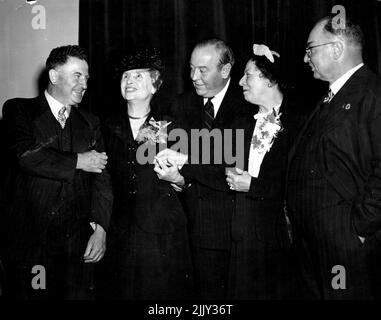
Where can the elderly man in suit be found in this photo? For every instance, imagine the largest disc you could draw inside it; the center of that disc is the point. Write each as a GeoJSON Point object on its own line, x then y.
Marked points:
{"type": "Point", "coordinates": [334, 178]}
{"type": "Point", "coordinates": [62, 194]}
{"type": "Point", "coordinates": [214, 104]}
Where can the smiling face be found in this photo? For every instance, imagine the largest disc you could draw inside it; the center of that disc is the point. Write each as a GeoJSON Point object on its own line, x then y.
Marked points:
{"type": "Point", "coordinates": [208, 78]}
{"type": "Point", "coordinates": [69, 81]}
{"type": "Point", "coordinates": [137, 84]}
{"type": "Point", "coordinates": [254, 84]}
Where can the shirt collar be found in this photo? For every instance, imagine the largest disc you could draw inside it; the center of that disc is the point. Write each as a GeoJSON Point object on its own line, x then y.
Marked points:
{"type": "Point", "coordinates": [217, 99]}
{"type": "Point", "coordinates": [339, 83]}
{"type": "Point", "coordinates": [55, 105]}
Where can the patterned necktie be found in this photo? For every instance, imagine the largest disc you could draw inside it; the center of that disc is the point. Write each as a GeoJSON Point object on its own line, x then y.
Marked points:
{"type": "Point", "coordinates": [62, 117]}
{"type": "Point", "coordinates": [328, 97]}
{"type": "Point", "coordinates": [324, 108]}
{"type": "Point", "coordinates": [209, 113]}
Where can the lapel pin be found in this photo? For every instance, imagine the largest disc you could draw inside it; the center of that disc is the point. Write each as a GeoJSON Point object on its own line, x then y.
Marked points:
{"type": "Point", "coordinates": [347, 106]}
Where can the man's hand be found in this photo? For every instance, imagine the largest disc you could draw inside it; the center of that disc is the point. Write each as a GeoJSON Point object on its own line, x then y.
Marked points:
{"type": "Point", "coordinates": [96, 246]}
{"type": "Point", "coordinates": [92, 161]}
{"type": "Point", "coordinates": [167, 154]}
{"type": "Point", "coordinates": [169, 172]}
{"type": "Point", "coordinates": [238, 180]}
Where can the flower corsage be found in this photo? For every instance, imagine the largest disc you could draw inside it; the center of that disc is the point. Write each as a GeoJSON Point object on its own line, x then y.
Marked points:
{"type": "Point", "coordinates": [269, 127]}
{"type": "Point", "coordinates": [153, 132]}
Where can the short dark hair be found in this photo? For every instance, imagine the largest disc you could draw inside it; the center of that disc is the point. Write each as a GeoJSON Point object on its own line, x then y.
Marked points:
{"type": "Point", "coordinates": [352, 32]}
{"type": "Point", "coordinates": [270, 70]}
{"type": "Point", "coordinates": [59, 56]}
{"type": "Point", "coordinates": [226, 53]}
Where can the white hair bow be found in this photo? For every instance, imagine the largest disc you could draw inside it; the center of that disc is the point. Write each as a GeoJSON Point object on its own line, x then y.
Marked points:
{"type": "Point", "coordinates": [263, 50]}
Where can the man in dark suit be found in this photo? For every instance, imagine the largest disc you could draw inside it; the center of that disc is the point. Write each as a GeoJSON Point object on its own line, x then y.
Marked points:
{"type": "Point", "coordinates": [214, 105]}
{"type": "Point", "coordinates": [334, 178]}
{"type": "Point", "coordinates": [62, 197]}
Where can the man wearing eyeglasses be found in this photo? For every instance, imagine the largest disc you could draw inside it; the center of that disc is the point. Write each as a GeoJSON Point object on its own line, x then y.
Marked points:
{"type": "Point", "coordinates": [334, 179]}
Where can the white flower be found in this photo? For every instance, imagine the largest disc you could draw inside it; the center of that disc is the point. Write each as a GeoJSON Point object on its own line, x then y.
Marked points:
{"type": "Point", "coordinates": [153, 132]}
{"type": "Point", "coordinates": [263, 50]}
{"type": "Point", "coordinates": [269, 127]}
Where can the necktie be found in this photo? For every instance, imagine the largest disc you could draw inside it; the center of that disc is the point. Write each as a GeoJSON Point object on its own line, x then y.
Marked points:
{"type": "Point", "coordinates": [209, 113]}
{"type": "Point", "coordinates": [328, 97]}
{"type": "Point", "coordinates": [324, 108]}
{"type": "Point", "coordinates": [62, 117]}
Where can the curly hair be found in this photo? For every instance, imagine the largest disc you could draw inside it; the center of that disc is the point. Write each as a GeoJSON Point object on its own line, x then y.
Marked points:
{"type": "Point", "coordinates": [148, 58]}
{"type": "Point", "coordinates": [59, 56]}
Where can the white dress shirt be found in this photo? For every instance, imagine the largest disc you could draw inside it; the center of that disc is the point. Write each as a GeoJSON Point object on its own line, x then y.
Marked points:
{"type": "Point", "coordinates": [56, 106]}
{"type": "Point", "coordinates": [217, 99]}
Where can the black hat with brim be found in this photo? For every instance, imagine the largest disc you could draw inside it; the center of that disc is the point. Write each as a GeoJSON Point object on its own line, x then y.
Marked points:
{"type": "Point", "coordinates": [148, 58]}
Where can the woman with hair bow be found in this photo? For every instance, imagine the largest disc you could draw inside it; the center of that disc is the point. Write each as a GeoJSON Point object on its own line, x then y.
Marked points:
{"type": "Point", "coordinates": [260, 260]}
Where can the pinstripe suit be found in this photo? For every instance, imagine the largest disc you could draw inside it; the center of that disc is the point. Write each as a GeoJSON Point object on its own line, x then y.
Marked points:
{"type": "Point", "coordinates": [209, 202]}
{"type": "Point", "coordinates": [53, 202]}
{"type": "Point", "coordinates": [334, 185]}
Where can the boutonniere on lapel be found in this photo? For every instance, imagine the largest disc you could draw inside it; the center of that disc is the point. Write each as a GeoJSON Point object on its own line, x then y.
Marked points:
{"type": "Point", "coordinates": [267, 129]}
{"type": "Point", "coordinates": [153, 131]}
{"type": "Point", "coordinates": [346, 106]}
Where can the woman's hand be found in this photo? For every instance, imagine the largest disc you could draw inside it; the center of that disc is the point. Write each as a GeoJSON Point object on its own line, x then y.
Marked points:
{"type": "Point", "coordinates": [238, 180]}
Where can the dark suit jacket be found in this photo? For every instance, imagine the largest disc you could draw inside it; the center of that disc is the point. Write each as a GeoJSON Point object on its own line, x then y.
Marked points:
{"type": "Point", "coordinates": [47, 181]}
{"type": "Point", "coordinates": [209, 201]}
{"type": "Point", "coordinates": [349, 153]}
{"type": "Point", "coordinates": [348, 156]}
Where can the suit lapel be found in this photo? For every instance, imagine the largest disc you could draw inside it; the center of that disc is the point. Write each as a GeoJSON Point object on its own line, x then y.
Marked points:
{"type": "Point", "coordinates": [45, 122]}
{"type": "Point", "coordinates": [344, 102]}
{"type": "Point", "coordinates": [82, 132]}
{"type": "Point", "coordinates": [341, 106]}
{"type": "Point", "coordinates": [195, 113]}
{"type": "Point", "coordinates": [226, 110]}
{"type": "Point", "coordinates": [122, 129]}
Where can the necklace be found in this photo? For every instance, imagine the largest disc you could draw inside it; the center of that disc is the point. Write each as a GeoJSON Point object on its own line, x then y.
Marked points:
{"type": "Point", "coordinates": [136, 118]}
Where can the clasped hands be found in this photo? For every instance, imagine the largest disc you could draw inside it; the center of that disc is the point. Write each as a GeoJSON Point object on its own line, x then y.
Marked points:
{"type": "Point", "coordinates": [167, 166]}
{"type": "Point", "coordinates": [238, 180]}
{"type": "Point", "coordinates": [92, 161]}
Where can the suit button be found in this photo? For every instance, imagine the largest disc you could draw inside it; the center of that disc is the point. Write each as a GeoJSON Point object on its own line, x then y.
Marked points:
{"type": "Point", "coordinates": [52, 213]}
{"type": "Point", "coordinates": [312, 171]}
{"type": "Point", "coordinates": [168, 194]}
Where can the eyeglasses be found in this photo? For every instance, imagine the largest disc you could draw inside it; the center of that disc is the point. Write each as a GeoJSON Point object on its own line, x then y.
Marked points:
{"type": "Point", "coordinates": [309, 51]}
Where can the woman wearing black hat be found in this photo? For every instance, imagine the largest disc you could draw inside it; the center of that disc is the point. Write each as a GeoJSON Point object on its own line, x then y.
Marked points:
{"type": "Point", "coordinates": [147, 255]}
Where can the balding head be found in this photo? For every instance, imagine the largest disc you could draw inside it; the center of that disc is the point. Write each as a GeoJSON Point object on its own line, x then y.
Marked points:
{"type": "Point", "coordinates": [332, 51]}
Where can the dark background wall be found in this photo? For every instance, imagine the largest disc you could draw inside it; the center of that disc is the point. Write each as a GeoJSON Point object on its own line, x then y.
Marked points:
{"type": "Point", "coordinates": [109, 28]}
